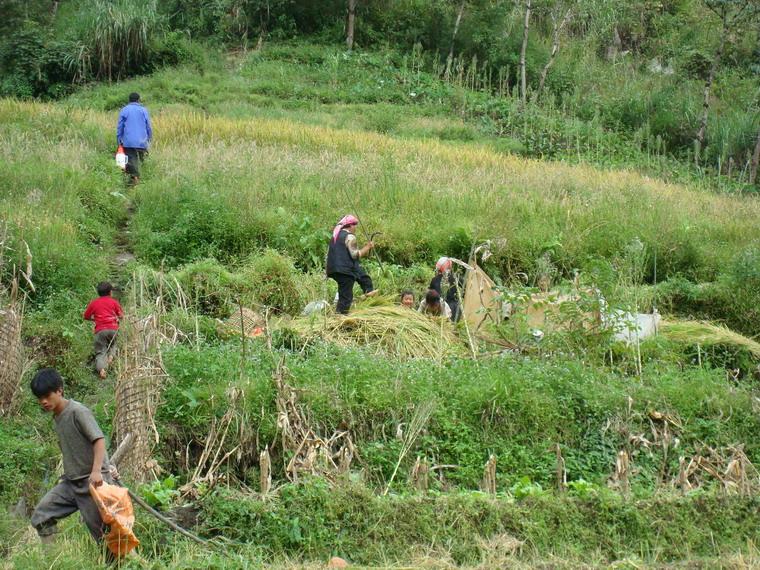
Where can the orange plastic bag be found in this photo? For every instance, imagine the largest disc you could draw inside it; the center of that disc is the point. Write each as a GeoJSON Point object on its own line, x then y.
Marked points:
{"type": "Point", "coordinates": [117, 512]}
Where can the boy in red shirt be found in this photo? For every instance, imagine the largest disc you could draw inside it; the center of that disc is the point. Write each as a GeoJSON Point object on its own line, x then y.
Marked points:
{"type": "Point", "coordinates": [106, 312]}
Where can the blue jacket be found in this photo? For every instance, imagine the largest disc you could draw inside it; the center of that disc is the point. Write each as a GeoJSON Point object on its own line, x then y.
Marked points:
{"type": "Point", "coordinates": [134, 129]}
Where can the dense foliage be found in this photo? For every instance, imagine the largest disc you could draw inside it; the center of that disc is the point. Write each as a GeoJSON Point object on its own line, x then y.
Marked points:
{"type": "Point", "coordinates": [635, 69]}
{"type": "Point", "coordinates": [256, 156]}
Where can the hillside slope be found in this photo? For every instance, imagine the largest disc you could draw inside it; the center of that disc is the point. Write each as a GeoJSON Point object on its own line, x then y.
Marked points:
{"type": "Point", "coordinates": [235, 207]}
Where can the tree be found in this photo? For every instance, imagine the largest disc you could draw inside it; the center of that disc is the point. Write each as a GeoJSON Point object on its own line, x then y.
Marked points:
{"type": "Point", "coordinates": [523, 51]}
{"type": "Point", "coordinates": [350, 24]}
{"type": "Point", "coordinates": [731, 14]}
{"type": "Point", "coordinates": [557, 27]}
{"type": "Point", "coordinates": [458, 21]}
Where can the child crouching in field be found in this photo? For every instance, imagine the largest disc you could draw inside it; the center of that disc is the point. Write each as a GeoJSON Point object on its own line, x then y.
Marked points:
{"type": "Point", "coordinates": [85, 461]}
{"type": "Point", "coordinates": [106, 312]}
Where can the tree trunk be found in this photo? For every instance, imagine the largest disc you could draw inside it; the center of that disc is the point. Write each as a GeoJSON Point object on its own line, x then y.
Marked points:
{"type": "Point", "coordinates": [523, 50]}
{"type": "Point", "coordinates": [555, 48]}
{"type": "Point", "coordinates": [350, 24]}
{"type": "Point", "coordinates": [264, 26]}
{"type": "Point", "coordinates": [700, 139]}
{"type": "Point", "coordinates": [755, 161]}
{"type": "Point", "coordinates": [54, 8]}
{"type": "Point", "coordinates": [450, 59]}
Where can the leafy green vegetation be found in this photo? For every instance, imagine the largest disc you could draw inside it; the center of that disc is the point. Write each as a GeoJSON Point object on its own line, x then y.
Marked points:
{"type": "Point", "coordinates": [256, 157]}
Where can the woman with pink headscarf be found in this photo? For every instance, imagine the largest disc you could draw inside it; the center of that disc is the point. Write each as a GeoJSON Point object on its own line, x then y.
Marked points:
{"type": "Point", "coordinates": [343, 262]}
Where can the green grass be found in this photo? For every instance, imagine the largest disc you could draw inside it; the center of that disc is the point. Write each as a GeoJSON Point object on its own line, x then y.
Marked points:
{"type": "Point", "coordinates": [253, 163]}
{"type": "Point", "coordinates": [312, 522]}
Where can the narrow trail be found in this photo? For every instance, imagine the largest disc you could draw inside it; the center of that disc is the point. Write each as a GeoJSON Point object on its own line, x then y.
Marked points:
{"type": "Point", "coordinates": [123, 253]}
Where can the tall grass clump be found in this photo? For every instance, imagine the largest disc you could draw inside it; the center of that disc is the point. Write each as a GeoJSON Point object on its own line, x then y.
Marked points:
{"type": "Point", "coordinates": [115, 37]}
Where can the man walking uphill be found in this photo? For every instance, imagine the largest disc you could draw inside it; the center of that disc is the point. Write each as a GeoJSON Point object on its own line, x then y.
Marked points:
{"type": "Point", "coordinates": [134, 133]}
{"type": "Point", "coordinates": [343, 262]}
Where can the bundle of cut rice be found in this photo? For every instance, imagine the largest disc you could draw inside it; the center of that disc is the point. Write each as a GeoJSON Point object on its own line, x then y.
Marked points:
{"type": "Point", "coordinates": [385, 327]}
{"type": "Point", "coordinates": [706, 334]}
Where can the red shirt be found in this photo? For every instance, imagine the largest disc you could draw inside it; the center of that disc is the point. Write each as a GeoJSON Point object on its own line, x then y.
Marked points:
{"type": "Point", "coordinates": [105, 311]}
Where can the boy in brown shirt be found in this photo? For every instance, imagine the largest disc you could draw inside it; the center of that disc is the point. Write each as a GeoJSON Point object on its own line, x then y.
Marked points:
{"type": "Point", "coordinates": [85, 461]}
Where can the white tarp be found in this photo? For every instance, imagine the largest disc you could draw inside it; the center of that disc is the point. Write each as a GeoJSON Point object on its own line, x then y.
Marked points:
{"type": "Point", "coordinates": [630, 327]}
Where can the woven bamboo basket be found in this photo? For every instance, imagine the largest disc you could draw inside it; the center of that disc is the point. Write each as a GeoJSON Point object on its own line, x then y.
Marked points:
{"type": "Point", "coordinates": [137, 395]}
{"type": "Point", "coordinates": [11, 357]}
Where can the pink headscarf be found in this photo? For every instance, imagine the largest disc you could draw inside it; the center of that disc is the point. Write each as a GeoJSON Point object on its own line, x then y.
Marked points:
{"type": "Point", "coordinates": [349, 220]}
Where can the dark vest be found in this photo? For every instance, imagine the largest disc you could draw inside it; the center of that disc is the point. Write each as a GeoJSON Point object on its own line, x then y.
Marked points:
{"type": "Point", "coordinates": [339, 259]}
{"type": "Point", "coordinates": [452, 297]}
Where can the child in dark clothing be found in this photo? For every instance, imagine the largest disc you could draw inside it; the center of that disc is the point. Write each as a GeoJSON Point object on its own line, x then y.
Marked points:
{"type": "Point", "coordinates": [106, 312]}
{"type": "Point", "coordinates": [85, 461]}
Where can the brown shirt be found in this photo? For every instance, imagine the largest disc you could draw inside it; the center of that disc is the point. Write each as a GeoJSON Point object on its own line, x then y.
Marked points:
{"type": "Point", "coordinates": [77, 431]}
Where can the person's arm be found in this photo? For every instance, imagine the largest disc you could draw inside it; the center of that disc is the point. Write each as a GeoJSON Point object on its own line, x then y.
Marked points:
{"type": "Point", "coordinates": [353, 248]}
{"type": "Point", "coordinates": [99, 453]}
{"type": "Point", "coordinates": [90, 430]}
{"type": "Point", "coordinates": [119, 311]}
{"type": "Point", "coordinates": [148, 127]}
{"type": "Point", "coordinates": [88, 313]}
{"type": "Point", "coordinates": [120, 127]}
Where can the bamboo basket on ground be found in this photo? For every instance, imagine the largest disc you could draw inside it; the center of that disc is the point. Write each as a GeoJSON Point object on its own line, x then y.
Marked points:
{"type": "Point", "coordinates": [138, 389]}
{"type": "Point", "coordinates": [11, 357]}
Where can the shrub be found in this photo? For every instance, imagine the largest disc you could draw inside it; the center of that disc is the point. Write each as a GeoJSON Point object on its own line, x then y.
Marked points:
{"type": "Point", "coordinates": [274, 280]}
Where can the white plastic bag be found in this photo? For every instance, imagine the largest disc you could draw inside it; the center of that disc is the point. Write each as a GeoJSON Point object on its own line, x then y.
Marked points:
{"type": "Point", "coordinates": [121, 158]}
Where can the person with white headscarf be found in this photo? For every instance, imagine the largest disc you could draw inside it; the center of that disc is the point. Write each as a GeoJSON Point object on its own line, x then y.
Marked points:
{"type": "Point", "coordinates": [445, 283]}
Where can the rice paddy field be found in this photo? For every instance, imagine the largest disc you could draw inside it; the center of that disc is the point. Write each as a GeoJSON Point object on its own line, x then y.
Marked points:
{"type": "Point", "coordinates": [379, 427]}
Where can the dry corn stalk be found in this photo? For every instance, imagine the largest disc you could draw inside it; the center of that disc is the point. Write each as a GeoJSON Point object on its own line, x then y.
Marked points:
{"type": "Point", "coordinates": [488, 484]}
{"type": "Point", "coordinates": [311, 453]}
{"type": "Point", "coordinates": [419, 475]}
{"type": "Point", "coordinates": [265, 472]}
{"type": "Point", "coordinates": [561, 470]}
{"type": "Point", "coordinates": [215, 452]}
{"type": "Point", "coordinates": [620, 478]}
{"type": "Point", "coordinates": [732, 468]}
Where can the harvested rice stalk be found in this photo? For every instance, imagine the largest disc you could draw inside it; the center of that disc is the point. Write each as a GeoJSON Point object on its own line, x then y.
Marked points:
{"type": "Point", "coordinates": [386, 327]}
{"type": "Point", "coordinates": [706, 334]}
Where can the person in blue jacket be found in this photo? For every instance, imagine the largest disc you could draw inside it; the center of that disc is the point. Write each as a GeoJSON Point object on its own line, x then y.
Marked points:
{"type": "Point", "coordinates": [134, 134]}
